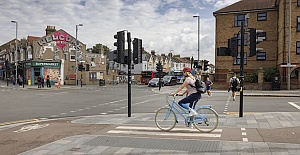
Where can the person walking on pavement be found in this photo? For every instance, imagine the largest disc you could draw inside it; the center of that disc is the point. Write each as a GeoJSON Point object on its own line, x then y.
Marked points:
{"type": "Point", "coordinates": [42, 81]}
{"type": "Point", "coordinates": [192, 97]}
{"type": "Point", "coordinates": [13, 79]}
{"type": "Point", "coordinates": [20, 79]}
{"type": "Point", "coordinates": [48, 81]}
{"type": "Point", "coordinates": [233, 84]}
{"type": "Point", "coordinates": [208, 84]}
{"type": "Point", "coordinates": [39, 80]}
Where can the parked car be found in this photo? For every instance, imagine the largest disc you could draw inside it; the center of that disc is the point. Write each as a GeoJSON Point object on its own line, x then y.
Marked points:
{"type": "Point", "coordinates": [170, 80]}
{"type": "Point", "coordinates": [154, 82]}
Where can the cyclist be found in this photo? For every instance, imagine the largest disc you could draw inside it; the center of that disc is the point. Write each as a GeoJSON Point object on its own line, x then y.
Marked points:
{"type": "Point", "coordinates": [192, 95]}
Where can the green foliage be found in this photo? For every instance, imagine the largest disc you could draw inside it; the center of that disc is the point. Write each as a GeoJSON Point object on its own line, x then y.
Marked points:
{"type": "Point", "coordinates": [252, 78]}
{"type": "Point", "coordinates": [269, 73]}
{"type": "Point", "coordinates": [97, 48]}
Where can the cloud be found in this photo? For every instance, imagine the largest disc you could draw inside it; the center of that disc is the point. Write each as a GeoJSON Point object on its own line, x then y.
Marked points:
{"type": "Point", "coordinates": [163, 25]}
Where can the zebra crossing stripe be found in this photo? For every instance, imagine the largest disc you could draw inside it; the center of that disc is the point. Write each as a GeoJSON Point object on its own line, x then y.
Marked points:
{"type": "Point", "coordinates": [134, 130]}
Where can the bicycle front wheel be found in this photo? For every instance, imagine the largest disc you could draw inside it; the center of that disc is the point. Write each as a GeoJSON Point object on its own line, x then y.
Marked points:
{"type": "Point", "coordinates": [206, 120]}
{"type": "Point", "coordinates": [165, 119]}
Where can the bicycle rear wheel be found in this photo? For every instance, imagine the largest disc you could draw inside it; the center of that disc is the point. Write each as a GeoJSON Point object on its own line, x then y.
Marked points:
{"type": "Point", "coordinates": [165, 119]}
{"type": "Point", "coordinates": [206, 120]}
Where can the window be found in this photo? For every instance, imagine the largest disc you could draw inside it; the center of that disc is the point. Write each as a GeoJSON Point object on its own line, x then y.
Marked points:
{"type": "Point", "coordinates": [239, 39]}
{"type": "Point", "coordinates": [261, 56]}
{"type": "Point", "coordinates": [298, 2]}
{"type": "Point", "coordinates": [237, 60]}
{"type": "Point", "coordinates": [72, 55]}
{"type": "Point", "coordinates": [298, 23]}
{"type": "Point", "coordinates": [261, 16]}
{"type": "Point", "coordinates": [298, 47]}
{"type": "Point", "coordinates": [238, 19]}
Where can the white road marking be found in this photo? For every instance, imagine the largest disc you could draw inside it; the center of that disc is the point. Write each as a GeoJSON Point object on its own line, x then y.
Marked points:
{"type": "Point", "coordinates": [166, 133]}
{"type": "Point", "coordinates": [31, 127]}
{"type": "Point", "coordinates": [244, 133]}
{"type": "Point", "coordinates": [243, 129]}
{"type": "Point", "coordinates": [156, 129]}
{"type": "Point", "coordinates": [295, 105]}
{"type": "Point", "coordinates": [245, 139]}
{"type": "Point", "coordinates": [103, 113]}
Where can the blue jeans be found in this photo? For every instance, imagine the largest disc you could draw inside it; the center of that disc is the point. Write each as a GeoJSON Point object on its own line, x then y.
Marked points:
{"type": "Point", "coordinates": [192, 99]}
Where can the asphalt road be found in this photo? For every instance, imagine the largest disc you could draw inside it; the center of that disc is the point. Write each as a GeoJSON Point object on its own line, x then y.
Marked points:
{"type": "Point", "coordinates": [18, 104]}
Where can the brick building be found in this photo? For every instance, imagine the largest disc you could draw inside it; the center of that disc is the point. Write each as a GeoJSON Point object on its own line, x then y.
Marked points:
{"type": "Point", "coordinates": [53, 55]}
{"type": "Point", "coordinates": [271, 16]}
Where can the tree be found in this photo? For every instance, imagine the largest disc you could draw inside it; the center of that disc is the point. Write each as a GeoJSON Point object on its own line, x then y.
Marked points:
{"type": "Point", "coordinates": [97, 48]}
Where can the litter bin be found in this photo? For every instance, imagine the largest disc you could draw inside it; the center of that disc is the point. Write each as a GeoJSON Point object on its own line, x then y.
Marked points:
{"type": "Point", "coordinates": [29, 82]}
{"type": "Point", "coordinates": [101, 82]}
{"type": "Point", "coordinates": [275, 83]}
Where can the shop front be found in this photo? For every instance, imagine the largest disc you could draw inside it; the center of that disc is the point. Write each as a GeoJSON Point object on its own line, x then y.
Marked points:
{"type": "Point", "coordinates": [34, 69]}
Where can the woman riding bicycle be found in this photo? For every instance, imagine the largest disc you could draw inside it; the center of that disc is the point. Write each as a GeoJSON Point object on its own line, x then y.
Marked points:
{"type": "Point", "coordinates": [192, 95]}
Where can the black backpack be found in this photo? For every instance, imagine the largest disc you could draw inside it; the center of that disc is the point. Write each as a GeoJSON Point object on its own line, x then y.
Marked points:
{"type": "Point", "coordinates": [200, 86]}
{"type": "Point", "coordinates": [234, 82]}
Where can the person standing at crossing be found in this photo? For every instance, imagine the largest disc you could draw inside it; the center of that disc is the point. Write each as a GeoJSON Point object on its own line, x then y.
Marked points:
{"type": "Point", "coordinates": [233, 84]}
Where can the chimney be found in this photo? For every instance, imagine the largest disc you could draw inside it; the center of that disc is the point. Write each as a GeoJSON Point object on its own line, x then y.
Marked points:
{"type": "Point", "coordinates": [50, 29]}
{"type": "Point", "coordinates": [152, 52]}
{"type": "Point", "coordinates": [170, 55]}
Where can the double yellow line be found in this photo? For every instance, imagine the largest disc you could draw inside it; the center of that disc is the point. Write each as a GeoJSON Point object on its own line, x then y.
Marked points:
{"type": "Point", "coordinates": [20, 121]}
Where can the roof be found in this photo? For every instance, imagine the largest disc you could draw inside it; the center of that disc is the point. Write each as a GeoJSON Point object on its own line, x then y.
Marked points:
{"type": "Point", "coordinates": [248, 5]}
{"type": "Point", "coordinates": [31, 39]}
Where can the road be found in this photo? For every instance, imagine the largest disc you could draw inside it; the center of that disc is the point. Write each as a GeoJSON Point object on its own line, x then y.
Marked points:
{"type": "Point", "coordinates": [19, 104]}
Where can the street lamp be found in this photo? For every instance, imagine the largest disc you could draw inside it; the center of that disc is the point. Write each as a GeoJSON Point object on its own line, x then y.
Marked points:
{"type": "Point", "coordinates": [16, 52]}
{"type": "Point", "coordinates": [76, 63]}
{"type": "Point", "coordinates": [198, 36]}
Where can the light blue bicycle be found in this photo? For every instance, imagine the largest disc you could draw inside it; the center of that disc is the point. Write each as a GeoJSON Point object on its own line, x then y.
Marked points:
{"type": "Point", "coordinates": [206, 120]}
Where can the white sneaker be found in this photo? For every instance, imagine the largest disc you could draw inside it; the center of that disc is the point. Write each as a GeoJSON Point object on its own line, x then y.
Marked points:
{"type": "Point", "coordinates": [192, 112]}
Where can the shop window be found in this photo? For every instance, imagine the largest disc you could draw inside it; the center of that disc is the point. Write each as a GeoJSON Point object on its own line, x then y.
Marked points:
{"type": "Point", "coordinates": [237, 60]}
{"type": "Point", "coordinates": [298, 23]}
{"type": "Point", "coordinates": [93, 76]}
{"type": "Point", "coordinates": [73, 55]}
{"type": "Point", "coordinates": [261, 56]}
{"type": "Point", "coordinates": [262, 16]}
{"type": "Point", "coordinates": [238, 19]}
{"type": "Point", "coordinates": [298, 47]}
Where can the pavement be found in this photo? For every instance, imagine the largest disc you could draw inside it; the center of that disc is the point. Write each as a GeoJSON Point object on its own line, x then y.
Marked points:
{"type": "Point", "coordinates": [123, 135]}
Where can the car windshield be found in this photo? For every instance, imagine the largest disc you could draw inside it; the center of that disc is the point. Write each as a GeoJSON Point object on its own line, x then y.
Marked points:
{"type": "Point", "coordinates": [166, 77]}
{"type": "Point", "coordinates": [155, 79]}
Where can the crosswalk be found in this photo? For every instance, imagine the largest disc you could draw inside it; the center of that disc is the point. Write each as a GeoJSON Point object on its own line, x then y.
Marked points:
{"type": "Point", "coordinates": [154, 131]}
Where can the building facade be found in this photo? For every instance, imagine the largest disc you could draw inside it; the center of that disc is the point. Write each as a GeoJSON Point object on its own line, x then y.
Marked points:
{"type": "Point", "coordinates": [270, 16]}
{"type": "Point", "coordinates": [53, 55]}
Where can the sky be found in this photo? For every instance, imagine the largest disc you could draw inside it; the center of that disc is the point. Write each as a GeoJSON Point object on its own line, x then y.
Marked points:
{"type": "Point", "coordinates": [163, 25]}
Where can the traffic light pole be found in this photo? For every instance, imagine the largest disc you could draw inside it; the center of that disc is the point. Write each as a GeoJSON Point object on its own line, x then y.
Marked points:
{"type": "Point", "coordinates": [81, 78]}
{"type": "Point", "coordinates": [129, 73]}
{"type": "Point", "coordinates": [242, 70]}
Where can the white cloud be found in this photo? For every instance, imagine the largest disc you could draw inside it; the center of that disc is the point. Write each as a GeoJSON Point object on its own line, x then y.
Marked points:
{"type": "Point", "coordinates": [162, 25]}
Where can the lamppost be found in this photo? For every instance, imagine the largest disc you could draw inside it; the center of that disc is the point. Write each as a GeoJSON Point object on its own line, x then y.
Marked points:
{"type": "Point", "coordinates": [16, 52]}
{"type": "Point", "coordinates": [76, 63]}
{"type": "Point", "coordinates": [198, 36]}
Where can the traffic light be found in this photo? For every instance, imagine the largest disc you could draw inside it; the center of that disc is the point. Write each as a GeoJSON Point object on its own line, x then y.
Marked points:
{"type": "Point", "coordinates": [256, 36]}
{"type": "Point", "coordinates": [233, 46]}
{"type": "Point", "coordinates": [80, 67]}
{"type": "Point", "coordinates": [206, 65]}
{"type": "Point", "coordinates": [137, 50]}
{"type": "Point", "coordinates": [197, 64]}
{"type": "Point", "coordinates": [158, 67]}
{"type": "Point", "coordinates": [120, 36]}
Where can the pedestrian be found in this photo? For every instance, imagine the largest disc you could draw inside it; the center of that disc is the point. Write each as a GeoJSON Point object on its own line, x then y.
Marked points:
{"type": "Point", "coordinates": [13, 79]}
{"type": "Point", "coordinates": [39, 81]}
{"type": "Point", "coordinates": [208, 84]}
{"type": "Point", "coordinates": [42, 81]}
{"type": "Point", "coordinates": [20, 79]}
{"type": "Point", "coordinates": [48, 81]}
{"type": "Point", "coordinates": [58, 82]}
{"type": "Point", "coordinates": [233, 84]}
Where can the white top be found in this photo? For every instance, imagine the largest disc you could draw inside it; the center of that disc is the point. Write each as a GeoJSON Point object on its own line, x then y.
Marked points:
{"type": "Point", "coordinates": [231, 80]}
{"type": "Point", "coordinates": [190, 89]}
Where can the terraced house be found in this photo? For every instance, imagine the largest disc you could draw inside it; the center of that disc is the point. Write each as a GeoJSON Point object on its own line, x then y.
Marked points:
{"type": "Point", "coordinates": [280, 43]}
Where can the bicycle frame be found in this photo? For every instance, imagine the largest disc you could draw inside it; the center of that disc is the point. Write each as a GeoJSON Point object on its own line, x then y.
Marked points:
{"type": "Point", "coordinates": [197, 119]}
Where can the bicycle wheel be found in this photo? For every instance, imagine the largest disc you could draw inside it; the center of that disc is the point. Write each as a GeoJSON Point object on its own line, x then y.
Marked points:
{"type": "Point", "coordinates": [165, 119]}
{"type": "Point", "coordinates": [206, 120]}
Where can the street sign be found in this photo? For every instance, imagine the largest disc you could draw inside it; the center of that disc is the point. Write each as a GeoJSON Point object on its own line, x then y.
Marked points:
{"type": "Point", "coordinates": [288, 65]}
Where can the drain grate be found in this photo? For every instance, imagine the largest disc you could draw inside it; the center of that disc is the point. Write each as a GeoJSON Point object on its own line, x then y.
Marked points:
{"type": "Point", "coordinates": [151, 143]}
